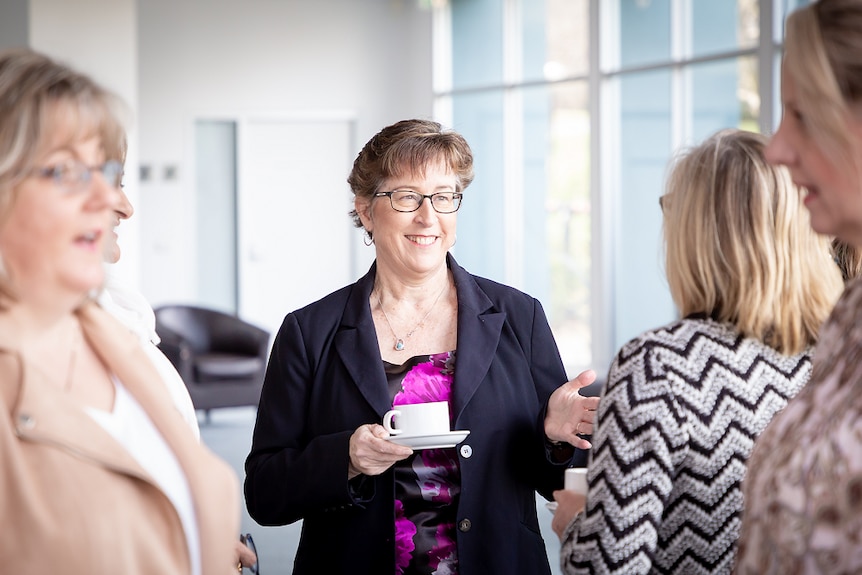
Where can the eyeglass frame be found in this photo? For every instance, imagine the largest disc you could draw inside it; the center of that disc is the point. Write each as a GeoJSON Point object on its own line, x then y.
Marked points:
{"type": "Point", "coordinates": [74, 175]}
{"type": "Point", "coordinates": [249, 542]}
{"type": "Point", "coordinates": [456, 198]}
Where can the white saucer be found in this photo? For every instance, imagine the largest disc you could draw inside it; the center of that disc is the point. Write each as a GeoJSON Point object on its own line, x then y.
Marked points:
{"type": "Point", "coordinates": [440, 441]}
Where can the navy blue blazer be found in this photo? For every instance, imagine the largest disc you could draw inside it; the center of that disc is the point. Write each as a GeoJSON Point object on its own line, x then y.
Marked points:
{"type": "Point", "coordinates": [325, 378]}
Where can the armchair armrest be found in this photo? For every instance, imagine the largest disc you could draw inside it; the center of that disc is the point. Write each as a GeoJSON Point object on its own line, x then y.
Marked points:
{"type": "Point", "coordinates": [238, 336]}
{"type": "Point", "coordinates": [177, 350]}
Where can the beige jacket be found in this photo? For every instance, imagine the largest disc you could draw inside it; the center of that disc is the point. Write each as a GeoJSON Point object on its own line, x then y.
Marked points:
{"type": "Point", "coordinates": [73, 501]}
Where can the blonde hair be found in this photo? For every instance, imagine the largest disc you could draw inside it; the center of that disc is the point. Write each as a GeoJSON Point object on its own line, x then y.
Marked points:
{"type": "Point", "coordinates": [34, 91]}
{"type": "Point", "coordinates": [823, 55]}
{"type": "Point", "coordinates": [739, 246]}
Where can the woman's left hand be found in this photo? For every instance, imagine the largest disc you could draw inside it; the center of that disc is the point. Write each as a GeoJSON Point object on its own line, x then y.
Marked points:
{"type": "Point", "coordinates": [570, 414]}
{"type": "Point", "coordinates": [569, 504]}
{"type": "Point", "coordinates": [245, 557]}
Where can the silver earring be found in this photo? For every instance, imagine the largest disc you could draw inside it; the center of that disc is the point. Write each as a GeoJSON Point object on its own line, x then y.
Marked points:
{"type": "Point", "coordinates": [367, 239]}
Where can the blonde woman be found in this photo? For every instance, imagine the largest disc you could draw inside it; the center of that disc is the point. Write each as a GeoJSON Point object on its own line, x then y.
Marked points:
{"type": "Point", "coordinates": [803, 502]}
{"type": "Point", "coordinates": [98, 471]}
{"type": "Point", "coordinates": [684, 403]}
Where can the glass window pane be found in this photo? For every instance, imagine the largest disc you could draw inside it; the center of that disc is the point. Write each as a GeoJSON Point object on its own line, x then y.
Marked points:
{"type": "Point", "coordinates": [777, 106]}
{"type": "Point", "coordinates": [557, 267]}
{"type": "Point", "coordinates": [724, 95]}
{"type": "Point", "coordinates": [479, 118]}
{"type": "Point", "coordinates": [635, 32]}
{"type": "Point", "coordinates": [477, 43]}
{"type": "Point", "coordinates": [644, 116]}
{"type": "Point", "coordinates": [724, 26]}
{"type": "Point", "coordinates": [555, 39]}
{"type": "Point", "coordinates": [641, 299]}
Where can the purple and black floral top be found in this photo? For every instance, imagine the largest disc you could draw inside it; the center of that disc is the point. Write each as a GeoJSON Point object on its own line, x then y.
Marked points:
{"type": "Point", "coordinates": [428, 483]}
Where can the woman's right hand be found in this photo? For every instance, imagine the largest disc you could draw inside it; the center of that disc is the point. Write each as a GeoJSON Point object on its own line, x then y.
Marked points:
{"type": "Point", "coordinates": [569, 504]}
{"type": "Point", "coordinates": [371, 453]}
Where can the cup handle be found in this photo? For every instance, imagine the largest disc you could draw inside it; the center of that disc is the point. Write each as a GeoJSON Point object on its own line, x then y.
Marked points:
{"type": "Point", "coordinates": [387, 422]}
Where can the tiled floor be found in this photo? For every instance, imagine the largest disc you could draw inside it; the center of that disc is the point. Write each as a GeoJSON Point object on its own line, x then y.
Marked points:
{"type": "Point", "coordinates": [228, 433]}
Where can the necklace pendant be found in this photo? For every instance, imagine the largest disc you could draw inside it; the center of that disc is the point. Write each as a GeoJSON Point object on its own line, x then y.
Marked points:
{"type": "Point", "coordinates": [399, 344]}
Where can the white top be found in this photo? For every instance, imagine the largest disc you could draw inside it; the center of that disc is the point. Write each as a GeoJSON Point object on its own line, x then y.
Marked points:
{"type": "Point", "coordinates": [130, 425]}
{"type": "Point", "coordinates": [131, 308]}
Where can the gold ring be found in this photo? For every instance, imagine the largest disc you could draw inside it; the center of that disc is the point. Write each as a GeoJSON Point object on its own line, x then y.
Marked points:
{"type": "Point", "coordinates": [578, 428]}
{"type": "Point", "coordinates": [239, 567]}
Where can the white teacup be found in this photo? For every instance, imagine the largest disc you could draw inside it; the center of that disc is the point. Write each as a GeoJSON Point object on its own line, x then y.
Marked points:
{"type": "Point", "coordinates": [418, 419]}
{"type": "Point", "coordinates": [576, 480]}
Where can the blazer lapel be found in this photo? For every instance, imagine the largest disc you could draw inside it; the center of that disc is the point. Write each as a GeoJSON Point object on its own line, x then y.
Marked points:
{"type": "Point", "coordinates": [44, 413]}
{"type": "Point", "coordinates": [356, 345]}
{"type": "Point", "coordinates": [479, 328]}
{"type": "Point", "coordinates": [213, 486]}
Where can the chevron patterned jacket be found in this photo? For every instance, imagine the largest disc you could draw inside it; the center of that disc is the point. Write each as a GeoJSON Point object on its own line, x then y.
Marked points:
{"type": "Point", "coordinates": [677, 421]}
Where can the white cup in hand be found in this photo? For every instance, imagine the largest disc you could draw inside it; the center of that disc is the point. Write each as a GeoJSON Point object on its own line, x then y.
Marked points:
{"type": "Point", "coordinates": [418, 419]}
{"type": "Point", "coordinates": [576, 480]}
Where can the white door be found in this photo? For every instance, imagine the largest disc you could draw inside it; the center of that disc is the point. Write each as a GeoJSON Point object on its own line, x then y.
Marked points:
{"type": "Point", "coordinates": [293, 203]}
{"type": "Point", "coordinates": [215, 191]}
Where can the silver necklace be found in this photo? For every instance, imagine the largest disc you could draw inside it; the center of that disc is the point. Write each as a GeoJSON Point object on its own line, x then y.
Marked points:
{"type": "Point", "coordinates": [399, 342]}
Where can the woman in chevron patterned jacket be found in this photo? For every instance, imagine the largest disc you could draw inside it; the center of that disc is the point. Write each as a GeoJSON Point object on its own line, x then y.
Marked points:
{"type": "Point", "coordinates": [684, 403]}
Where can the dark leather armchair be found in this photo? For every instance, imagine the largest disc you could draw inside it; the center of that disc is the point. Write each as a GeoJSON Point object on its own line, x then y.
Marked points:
{"type": "Point", "coordinates": [220, 357]}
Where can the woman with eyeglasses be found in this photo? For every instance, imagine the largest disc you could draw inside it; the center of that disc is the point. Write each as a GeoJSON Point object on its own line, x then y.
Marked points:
{"type": "Point", "coordinates": [98, 472]}
{"type": "Point", "coordinates": [417, 328]}
{"type": "Point", "coordinates": [804, 484]}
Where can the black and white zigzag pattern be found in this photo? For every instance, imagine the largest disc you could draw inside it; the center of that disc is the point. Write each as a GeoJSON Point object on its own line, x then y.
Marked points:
{"type": "Point", "coordinates": [681, 410]}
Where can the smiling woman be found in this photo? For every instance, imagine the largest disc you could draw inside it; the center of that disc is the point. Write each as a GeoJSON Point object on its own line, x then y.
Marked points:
{"type": "Point", "coordinates": [803, 503]}
{"type": "Point", "coordinates": [416, 329]}
{"type": "Point", "coordinates": [88, 435]}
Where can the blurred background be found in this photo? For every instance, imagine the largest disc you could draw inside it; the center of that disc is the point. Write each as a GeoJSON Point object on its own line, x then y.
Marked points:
{"type": "Point", "coordinates": [244, 119]}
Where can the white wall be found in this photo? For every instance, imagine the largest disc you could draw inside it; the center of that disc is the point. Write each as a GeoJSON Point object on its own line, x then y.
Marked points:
{"type": "Point", "coordinates": [221, 58]}
{"type": "Point", "coordinates": [14, 23]}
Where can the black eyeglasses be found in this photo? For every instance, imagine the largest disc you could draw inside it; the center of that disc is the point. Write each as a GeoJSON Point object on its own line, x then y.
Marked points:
{"type": "Point", "coordinates": [407, 201]}
{"type": "Point", "coordinates": [73, 176]}
{"type": "Point", "coordinates": [249, 542]}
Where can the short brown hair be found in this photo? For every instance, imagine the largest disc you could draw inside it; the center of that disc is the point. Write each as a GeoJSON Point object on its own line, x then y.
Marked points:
{"type": "Point", "coordinates": [408, 147]}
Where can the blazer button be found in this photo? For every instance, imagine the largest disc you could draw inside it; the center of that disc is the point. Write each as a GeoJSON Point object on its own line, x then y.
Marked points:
{"type": "Point", "coordinates": [466, 451]}
{"type": "Point", "coordinates": [464, 525]}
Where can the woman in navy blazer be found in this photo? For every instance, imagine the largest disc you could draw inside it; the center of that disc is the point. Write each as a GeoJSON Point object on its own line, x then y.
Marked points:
{"type": "Point", "coordinates": [319, 453]}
